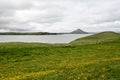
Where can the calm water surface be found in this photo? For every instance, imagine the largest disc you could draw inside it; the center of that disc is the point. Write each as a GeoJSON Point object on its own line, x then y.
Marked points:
{"type": "Point", "coordinates": [65, 38]}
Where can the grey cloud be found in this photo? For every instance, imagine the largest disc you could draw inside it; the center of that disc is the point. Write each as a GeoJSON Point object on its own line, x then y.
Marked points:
{"type": "Point", "coordinates": [13, 29]}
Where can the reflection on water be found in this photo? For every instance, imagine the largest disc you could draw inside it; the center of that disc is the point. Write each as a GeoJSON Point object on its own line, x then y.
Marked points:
{"type": "Point", "coordinates": [65, 38]}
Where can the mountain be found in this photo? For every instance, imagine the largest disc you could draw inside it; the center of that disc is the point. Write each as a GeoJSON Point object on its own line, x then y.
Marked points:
{"type": "Point", "coordinates": [78, 31]}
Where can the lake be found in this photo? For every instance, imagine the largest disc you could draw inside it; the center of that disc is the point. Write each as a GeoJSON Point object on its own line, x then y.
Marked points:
{"type": "Point", "coordinates": [64, 38]}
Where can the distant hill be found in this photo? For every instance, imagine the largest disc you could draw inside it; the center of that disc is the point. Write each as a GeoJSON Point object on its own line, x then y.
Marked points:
{"type": "Point", "coordinates": [78, 31]}
{"type": "Point", "coordinates": [33, 33]}
{"type": "Point", "coordinates": [97, 38]}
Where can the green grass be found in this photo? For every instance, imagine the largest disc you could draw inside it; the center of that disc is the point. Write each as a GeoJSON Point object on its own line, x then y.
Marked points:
{"type": "Point", "coordinates": [74, 61]}
{"type": "Point", "coordinates": [97, 38]}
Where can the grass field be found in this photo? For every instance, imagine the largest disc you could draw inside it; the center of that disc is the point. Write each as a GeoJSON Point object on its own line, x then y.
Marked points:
{"type": "Point", "coordinates": [95, 57]}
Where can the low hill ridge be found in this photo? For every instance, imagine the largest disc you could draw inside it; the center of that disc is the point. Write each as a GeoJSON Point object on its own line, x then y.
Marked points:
{"type": "Point", "coordinates": [97, 38]}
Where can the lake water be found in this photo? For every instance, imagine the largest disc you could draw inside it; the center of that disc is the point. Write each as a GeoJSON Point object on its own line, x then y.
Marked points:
{"type": "Point", "coordinates": [64, 38]}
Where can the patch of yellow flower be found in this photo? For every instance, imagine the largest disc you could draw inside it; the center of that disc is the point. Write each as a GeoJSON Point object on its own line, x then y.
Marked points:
{"type": "Point", "coordinates": [70, 64]}
{"type": "Point", "coordinates": [32, 74]}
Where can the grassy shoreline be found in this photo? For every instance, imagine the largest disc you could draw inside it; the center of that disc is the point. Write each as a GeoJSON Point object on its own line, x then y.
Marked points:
{"type": "Point", "coordinates": [77, 60]}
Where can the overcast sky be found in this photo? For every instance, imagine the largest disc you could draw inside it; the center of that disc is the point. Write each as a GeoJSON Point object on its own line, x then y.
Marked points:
{"type": "Point", "coordinates": [59, 15]}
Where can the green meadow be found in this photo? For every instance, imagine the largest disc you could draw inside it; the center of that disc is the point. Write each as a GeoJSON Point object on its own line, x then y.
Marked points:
{"type": "Point", "coordinates": [95, 57]}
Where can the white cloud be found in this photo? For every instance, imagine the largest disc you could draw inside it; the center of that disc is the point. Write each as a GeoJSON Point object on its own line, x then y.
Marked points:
{"type": "Point", "coordinates": [59, 15]}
